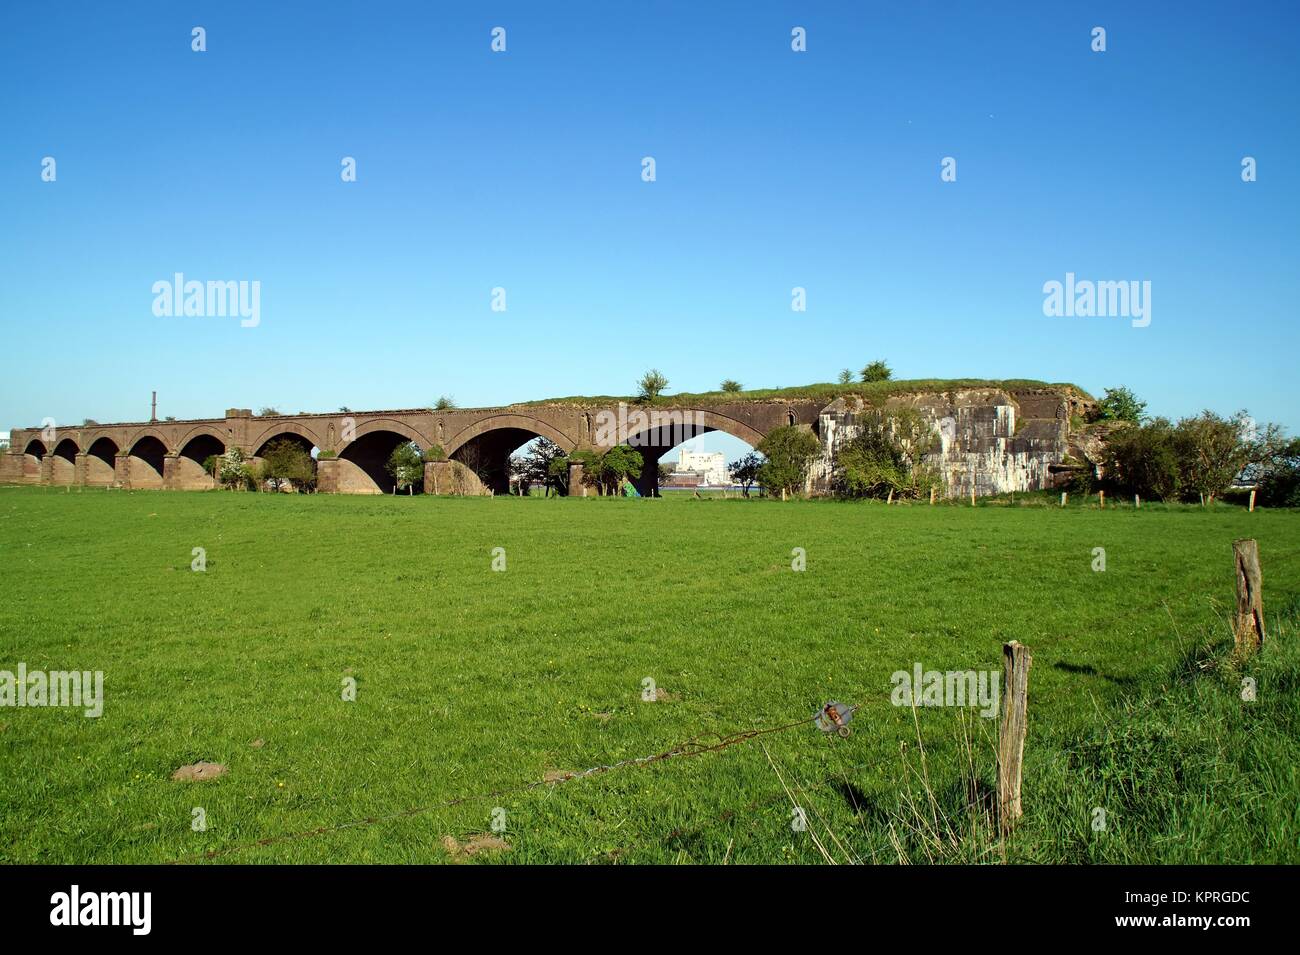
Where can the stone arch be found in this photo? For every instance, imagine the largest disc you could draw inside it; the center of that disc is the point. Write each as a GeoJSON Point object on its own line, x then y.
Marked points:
{"type": "Point", "coordinates": [281, 429]}
{"type": "Point", "coordinates": [101, 461]}
{"type": "Point", "coordinates": [485, 446]}
{"type": "Point", "coordinates": [658, 435]}
{"type": "Point", "coordinates": [192, 450]}
{"type": "Point", "coordinates": [501, 422]}
{"type": "Point", "coordinates": [363, 461]}
{"type": "Point", "coordinates": [63, 461]}
{"type": "Point", "coordinates": [147, 459]}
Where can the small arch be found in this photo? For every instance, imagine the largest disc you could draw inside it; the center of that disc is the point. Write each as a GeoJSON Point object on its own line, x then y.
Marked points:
{"type": "Point", "coordinates": [146, 461]}
{"type": "Point", "coordinates": [190, 473]}
{"type": "Point", "coordinates": [63, 462]}
{"type": "Point", "coordinates": [101, 461]}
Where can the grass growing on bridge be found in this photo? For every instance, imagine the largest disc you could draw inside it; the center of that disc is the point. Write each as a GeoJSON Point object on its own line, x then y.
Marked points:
{"type": "Point", "coordinates": [471, 680]}
{"type": "Point", "coordinates": [821, 391]}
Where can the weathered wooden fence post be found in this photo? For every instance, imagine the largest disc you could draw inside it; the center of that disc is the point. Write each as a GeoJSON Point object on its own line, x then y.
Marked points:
{"type": "Point", "coordinates": [932, 490]}
{"type": "Point", "coordinates": [1101, 499]}
{"type": "Point", "coordinates": [1252, 500]}
{"type": "Point", "coordinates": [1137, 501]}
{"type": "Point", "coordinates": [1249, 629]}
{"type": "Point", "coordinates": [1011, 734]}
{"type": "Point", "coordinates": [972, 495]}
{"type": "Point", "coordinates": [891, 496]}
{"type": "Point", "coordinates": [1064, 497]}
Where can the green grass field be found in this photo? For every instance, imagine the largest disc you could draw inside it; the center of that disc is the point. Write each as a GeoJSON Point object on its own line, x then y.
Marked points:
{"type": "Point", "coordinates": [471, 681]}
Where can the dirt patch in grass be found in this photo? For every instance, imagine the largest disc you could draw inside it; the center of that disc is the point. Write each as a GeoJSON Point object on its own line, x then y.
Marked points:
{"type": "Point", "coordinates": [199, 772]}
{"type": "Point", "coordinates": [476, 845]}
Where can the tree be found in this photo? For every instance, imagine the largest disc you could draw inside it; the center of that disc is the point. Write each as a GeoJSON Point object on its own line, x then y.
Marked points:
{"type": "Point", "coordinates": [845, 376]}
{"type": "Point", "coordinates": [269, 412]}
{"type": "Point", "coordinates": [1120, 404]}
{"type": "Point", "coordinates": [876, 371]}
{"type": "Point", "coordinates": [406, 465]}
{"type": "Point", "coordinates": [1213, 451]}
{"type": "Point", "coordinates": [230, 469]}
{"type": "Point", "coordinates": [790, 452]}
{"type": "Point", "coordinates": [885, 456]}
{"type": "Point", "coordinates": [617, 465]}
{"type": "Point", "coordinates": [1145, 460]}
{"type": "Point", "coordinates": [1279, 485]}
{"type": "Point", "coordinates": [286, 463]}
{"type": "Point", "coordinates": [731, 386]}
{"type": "Point", "coordinates": [745, 471]}
{"type": "Point", "coordinates": [444, 403]}
{"type": "Point", "coordinates": [651, 384]}
{"type": "Point", "coordinates": [665, 472]}
{"type": "Point", "coordinates": [534, 467]}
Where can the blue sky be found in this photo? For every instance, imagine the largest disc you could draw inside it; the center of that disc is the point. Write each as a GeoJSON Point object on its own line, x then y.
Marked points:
{"type": "Point", "coordinates": [522, 170]}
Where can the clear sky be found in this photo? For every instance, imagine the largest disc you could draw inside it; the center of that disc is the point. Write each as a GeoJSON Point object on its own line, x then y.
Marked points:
{"type": "Point", "coordinates": [522, 170]}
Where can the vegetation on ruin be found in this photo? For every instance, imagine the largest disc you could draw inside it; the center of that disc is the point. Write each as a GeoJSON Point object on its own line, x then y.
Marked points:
{"type": "Point", "coordinates": [824, 391]}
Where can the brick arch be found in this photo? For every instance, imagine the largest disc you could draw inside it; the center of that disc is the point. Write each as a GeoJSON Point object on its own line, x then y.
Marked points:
{"type": "Point", "coordinates": [284, 427]}
{"type": "Point", "coordinates": [508, 421]}
{"type": "Point", "coordinates": [705, 420]}
{"type": "Point", "coordinates": [389, 424]}
{"type": "Point", "coordinates": [210, 430]}
{"type": "Point", "coordinates": [129, 445]}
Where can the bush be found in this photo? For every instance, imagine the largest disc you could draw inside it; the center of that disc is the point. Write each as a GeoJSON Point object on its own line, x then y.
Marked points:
{"type": "Point", "coordinates": [877, 371]}
{"type": "Point", "coordinates": [1145, 460]}
{"type": "Point", "coordinates": [286, 463]}
{"type": "Point", "coordinates": [1279, 485]}
{"type": "Point", "coordinates": [731, 386]}
{"type": "Point", "coordinates": [651, 384]}
{"type": "Point", "coordinates": [406, 465]}
{"type": "Point", "coordinates": [1120, 404]}
{"type": "Point", "coordinates": [790, 452]}
{"type": "Point", "coordinates": [745, 471]}
{"type": "Point", "coordinates": [885, 457]}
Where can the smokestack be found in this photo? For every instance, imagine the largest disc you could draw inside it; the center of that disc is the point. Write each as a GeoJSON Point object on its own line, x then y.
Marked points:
{"type": "Point", "coordinates": [153, 407]}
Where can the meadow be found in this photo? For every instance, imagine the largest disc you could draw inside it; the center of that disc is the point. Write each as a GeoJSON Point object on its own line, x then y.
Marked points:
{"type": "Point", "coordinates": [473, 684]}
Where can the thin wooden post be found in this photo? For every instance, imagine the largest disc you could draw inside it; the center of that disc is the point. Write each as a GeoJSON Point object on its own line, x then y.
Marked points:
{"type": "Point", "coordinates": [1016, 660]}
{"type": "Point", "coordinates": [891, 496]}
{"type": "Point", "coordinates": [1065, 496]}
{"type": "Point", "coordinates": [1101, 499]}
{"type": "Point", "coordinates": [1137, 501]}
{"type": "Point", "coordinates": [972, 495]}
{"type": "Point", "coordinates": [932, 490]}
{"type": "Point", "coordinates": [1252, 500]}
{"type": "Point", "coordinates": [1249, 629]}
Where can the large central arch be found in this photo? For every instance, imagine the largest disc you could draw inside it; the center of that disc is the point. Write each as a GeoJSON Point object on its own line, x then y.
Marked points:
{"type": "Point", "coordinates": [485, 446]}
{"type": "Point", "coordinates": [656, 437]}
{"type": "Point", "coordinates": [363, 461]}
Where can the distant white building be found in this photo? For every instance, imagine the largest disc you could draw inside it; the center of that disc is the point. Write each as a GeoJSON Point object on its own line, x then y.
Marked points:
{"type": "Point", "coordinates": [711, 466]}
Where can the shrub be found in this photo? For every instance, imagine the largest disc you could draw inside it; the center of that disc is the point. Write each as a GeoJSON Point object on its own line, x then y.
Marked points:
{"type": "Point", "coordinates": [406, 465]}
{"type": "Point", "coordinates": [790, 452]}
{"type": "Point", "coordinates": [877, 371]}
{"type": "Point", "coordinates": [652, 383]}
{"type": "Point", "coordinates": [886, 455]}
{"type": "Point", "coordinates": [1279, 485]}
{"type": "Point", "coordinates": [286, 463]}
{"type": "Point", "coordinates": [1145, 460]}
{"type": "Point", "coordinates": [1120, 404]}
{"type": "Point", "coordinates": [745, 471]}
{"type": "Point", "coordinates": [731, 386]}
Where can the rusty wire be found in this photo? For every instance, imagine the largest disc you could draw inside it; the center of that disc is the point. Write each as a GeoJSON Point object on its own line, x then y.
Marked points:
{"type": "Point", "coordinates": [691, 747]}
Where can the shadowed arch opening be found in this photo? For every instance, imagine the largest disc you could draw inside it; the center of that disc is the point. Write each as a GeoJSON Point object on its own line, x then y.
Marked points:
{"type": "Point", "coordinates": [488, 455]}
{"type": "Point", "coordinates": [147, 458]}
{"type": "Point", "coordinates": [64, 462]}
{"type": "Point", "coordinates": [191, 472]}
{"type": "Point", "coordinates": [33, 455]}
{"type": "Point", "coordinates": [363, 464]}
{"type": "Point", "coordinates": [101, 462]}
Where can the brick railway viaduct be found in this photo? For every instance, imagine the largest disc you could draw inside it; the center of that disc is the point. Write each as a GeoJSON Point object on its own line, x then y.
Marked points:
{"type": "Point", "coordinates": [356, 445]}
